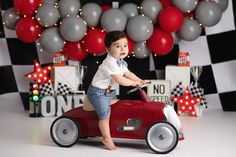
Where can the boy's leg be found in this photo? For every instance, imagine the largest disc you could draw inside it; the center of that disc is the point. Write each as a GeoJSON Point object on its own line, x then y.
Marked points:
{"type": "Point", "coordinates": [105, 130]}
{"type": "Point", "coordinates": [114, 101]}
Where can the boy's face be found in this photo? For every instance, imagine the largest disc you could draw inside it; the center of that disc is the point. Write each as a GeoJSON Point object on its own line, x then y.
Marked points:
{"type": "Point", "coordinates": [119, 48]}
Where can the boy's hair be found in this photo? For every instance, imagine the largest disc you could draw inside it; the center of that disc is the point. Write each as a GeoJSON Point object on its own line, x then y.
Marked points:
{"type": "Point", "coordinates": [113, 36]}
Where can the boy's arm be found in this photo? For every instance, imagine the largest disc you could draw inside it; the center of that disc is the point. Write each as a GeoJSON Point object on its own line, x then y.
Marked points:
{"type": "Point", "coordinates": [132, 76]}
{"type": "Point", "coordinates": [125, 81]}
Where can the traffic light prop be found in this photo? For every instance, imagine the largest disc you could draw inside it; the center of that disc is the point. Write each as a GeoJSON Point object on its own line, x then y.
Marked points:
{"type": "Point", "coordinates": [35, 100]}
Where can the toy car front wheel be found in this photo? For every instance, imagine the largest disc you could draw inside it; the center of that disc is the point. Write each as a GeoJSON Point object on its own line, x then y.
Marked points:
{"type": "Point", "coordinates": [162, 137]}
{"type": "Point", "coordinates": [65, 131]}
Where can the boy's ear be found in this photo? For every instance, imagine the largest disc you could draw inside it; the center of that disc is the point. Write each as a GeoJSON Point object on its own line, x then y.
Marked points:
{"type": "Point", "coordinates": [107, 49]}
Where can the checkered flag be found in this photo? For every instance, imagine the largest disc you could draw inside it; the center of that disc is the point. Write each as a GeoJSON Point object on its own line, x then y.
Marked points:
{"type": "Point", "coordinates": [45, 89]}
{"type": "Point", "coordinates": [63, 89]}
{"type": "Point", "coordinates": [178, 90]}
{"type": "Point", "coordinates": [197, 91]}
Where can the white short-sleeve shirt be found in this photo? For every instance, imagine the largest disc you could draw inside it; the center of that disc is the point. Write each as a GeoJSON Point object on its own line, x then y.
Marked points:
{"type": "Point", "coordinates": [102, 79]}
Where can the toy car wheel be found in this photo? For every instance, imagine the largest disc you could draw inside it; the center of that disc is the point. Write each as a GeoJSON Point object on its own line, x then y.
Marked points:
{"type": "Point", "coordinates": [65, 131]}
{"type": "Point", "coordinates": [162, 137]}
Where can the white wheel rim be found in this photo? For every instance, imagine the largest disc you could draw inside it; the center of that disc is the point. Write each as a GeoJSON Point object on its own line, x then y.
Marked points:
{"type": "Point", "coordinates": [161, 137]}
{"type": "Point", "coordinates": [65, 131]}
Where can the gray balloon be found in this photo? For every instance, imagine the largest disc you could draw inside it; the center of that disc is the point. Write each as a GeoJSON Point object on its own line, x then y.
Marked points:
{"type": "Point", "coordinates": [175, 37]}
{"type": "Point", "coordinates": [208, 13]}
{"type": "Point", "coordinates": [141, 51]}
{"type": "Point", "coordinates": [151, 9]}
{"type": "Point", "coordinates": [185, 5]}
{"type": "Point", "coordinates": [47, 15]}
{"type": "Point", "coordinates": [51, 41]}
{"type": "Point", "coordinates": [49, 1]}
{"type": "Point", "coordinates": [10, 17]}
{"type": "Point", "coordinates": [113, 19]}
{"type": "Point", "coordinates": [223, 4]}
{"type": "Point", "coordinates": [69, 7]}
{"type": "Point", "coordinates": [73, 28]}
{"type": "Point", "coordinates": [91, 13]}
{"type": "Point", "coordinates": [139, 28]}
{"type": "Point", "coordinates": [190, 30]}
{"type": "Point", "coordinates": [130, 9]}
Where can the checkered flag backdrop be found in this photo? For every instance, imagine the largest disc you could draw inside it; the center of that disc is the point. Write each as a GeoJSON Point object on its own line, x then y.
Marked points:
{"type": "Point", "coordinates": [46, 89]}
{"type": "Point", "coordinates": [177, 90]}
{"type": "Point", "coordinates": [214, 50]}
{"type": "Point", "coordinates": [197, 91]}
{"type": "Point", "coordinates": [63, 89]}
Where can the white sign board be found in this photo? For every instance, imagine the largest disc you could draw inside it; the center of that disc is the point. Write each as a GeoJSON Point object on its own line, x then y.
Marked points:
{"type": "Point", "coordinates": [159, 90]}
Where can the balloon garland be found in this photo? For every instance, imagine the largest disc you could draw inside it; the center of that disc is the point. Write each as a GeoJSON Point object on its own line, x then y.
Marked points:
{"type": "Point", "coordinates": [78, 30]}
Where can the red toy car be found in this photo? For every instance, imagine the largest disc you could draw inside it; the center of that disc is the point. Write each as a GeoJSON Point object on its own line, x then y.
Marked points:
{"type": "Point", "coordinates": [130, 119]}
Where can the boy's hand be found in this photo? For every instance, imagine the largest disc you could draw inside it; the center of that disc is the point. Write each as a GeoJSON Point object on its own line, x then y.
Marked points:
{"type": "Point", "coordinates": [145, 82]}
{"type": "Point", "coordinates": [137, 83]}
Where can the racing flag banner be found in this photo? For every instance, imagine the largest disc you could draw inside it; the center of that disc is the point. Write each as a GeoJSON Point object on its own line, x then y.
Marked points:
{"type": "Point", "coordinates": [159, 90]}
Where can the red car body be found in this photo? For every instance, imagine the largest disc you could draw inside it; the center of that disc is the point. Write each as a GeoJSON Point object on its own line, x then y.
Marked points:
{"type": "Point", "coordinates": [130, 119]}
{"type": "Point", "coordinates": [147, 112]}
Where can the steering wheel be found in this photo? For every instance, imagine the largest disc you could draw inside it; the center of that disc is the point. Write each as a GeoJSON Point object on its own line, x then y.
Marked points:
{"type": "Point", "coordinates": [138, 87]}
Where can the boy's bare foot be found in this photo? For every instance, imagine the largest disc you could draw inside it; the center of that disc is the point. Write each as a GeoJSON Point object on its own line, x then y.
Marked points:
{"type": "Point", "coordinates": [109, 144]}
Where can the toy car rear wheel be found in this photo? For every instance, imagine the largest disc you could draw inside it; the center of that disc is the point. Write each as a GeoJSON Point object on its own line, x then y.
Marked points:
{"type": "Point", "coordinates": [65, 131]}
{"type": "Point", "coordinates": [162, 137]}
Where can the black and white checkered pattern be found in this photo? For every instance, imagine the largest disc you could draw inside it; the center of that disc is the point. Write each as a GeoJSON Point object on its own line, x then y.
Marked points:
{"type": "Point", "coordinates": [178, 90]}
{"type": "Point", "coordinates": [63, 89]}
{"type": "Point", "coordinates": [214, 50]}
{"type": "Point", "coordinates": [46, 89]}
{"type": "Point", "coordinates": [197, 91]}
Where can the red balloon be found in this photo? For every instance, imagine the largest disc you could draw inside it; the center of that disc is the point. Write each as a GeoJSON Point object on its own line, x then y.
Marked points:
{"type": "Point", "coordinates": [161, 42]}
{"type": "Point", "coordinates": [106, 7]}
{"type": "Point", "coordinates": [26, 7]}
{"type": "Point", "coordinates": [28, 29]}
{"type": "Point", "coordinates": [170, 19]}
{"type": "Point", "coordinates": [165, 3]}
{"type": "Point", "coordinates": [75, 51]}
{"type": "Point", "coordinates": [94, 41]}
{"type": "Point", "coordinates": [130, 46]}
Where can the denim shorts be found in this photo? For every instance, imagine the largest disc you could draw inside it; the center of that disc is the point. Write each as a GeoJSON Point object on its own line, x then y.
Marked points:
{"type": "Point", "coordinates": [100, 101]}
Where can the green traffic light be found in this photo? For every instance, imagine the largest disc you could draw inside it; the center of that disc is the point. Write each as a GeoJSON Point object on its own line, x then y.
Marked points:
{"type": "Point", "coordinates": [35, 98]}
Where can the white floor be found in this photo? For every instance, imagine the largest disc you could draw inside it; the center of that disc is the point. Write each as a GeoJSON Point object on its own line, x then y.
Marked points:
{"type": "Point", "coordinates": [213, 134]}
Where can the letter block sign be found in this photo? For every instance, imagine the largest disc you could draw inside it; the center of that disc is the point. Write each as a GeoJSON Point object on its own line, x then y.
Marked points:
{"type": "Point", "coordinates": [159, 90]}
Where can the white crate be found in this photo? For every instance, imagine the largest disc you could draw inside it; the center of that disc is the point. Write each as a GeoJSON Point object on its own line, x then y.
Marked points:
{"type": "Point", "coordinates": [67, 75]}
{"type": "Point", "coordinates": [178, 74]}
